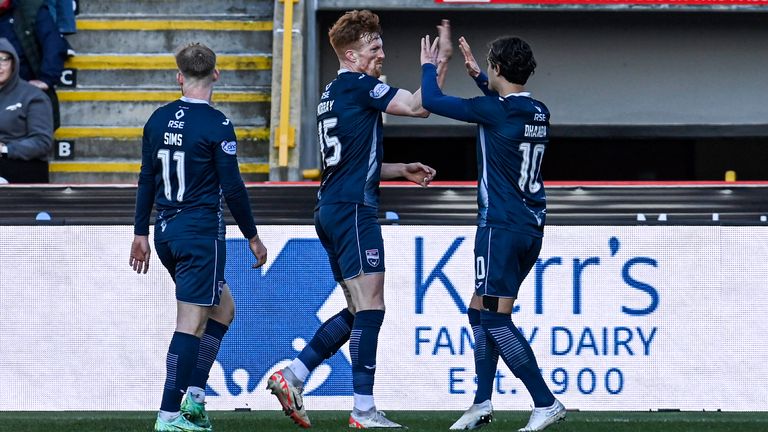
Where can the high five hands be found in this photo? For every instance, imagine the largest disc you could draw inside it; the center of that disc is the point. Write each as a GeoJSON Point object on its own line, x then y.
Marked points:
{"type": "Point", "coordinates": [429, 50]}
{"type": "Point", "coordinates": [439, 50]}
{"type": "Point", "coordinates": [473, 69]}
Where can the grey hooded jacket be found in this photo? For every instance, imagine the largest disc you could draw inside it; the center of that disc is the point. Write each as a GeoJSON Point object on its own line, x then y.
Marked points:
{"type": "Point", "coordinates": [26, 119]}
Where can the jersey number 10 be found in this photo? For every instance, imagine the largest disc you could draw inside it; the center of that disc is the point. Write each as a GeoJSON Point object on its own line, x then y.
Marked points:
{"type": "Point", "coordinates": [530, 167]}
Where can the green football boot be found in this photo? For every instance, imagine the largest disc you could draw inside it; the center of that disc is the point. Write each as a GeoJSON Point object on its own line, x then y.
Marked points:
{"type": "Point", "coordinates": [179, 424]}
{"type": "Point", "coordinates": [195, 412]}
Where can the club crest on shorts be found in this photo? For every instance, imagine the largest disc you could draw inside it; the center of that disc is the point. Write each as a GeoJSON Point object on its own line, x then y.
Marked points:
{"type": "Point", "coordinates": [372, 256]}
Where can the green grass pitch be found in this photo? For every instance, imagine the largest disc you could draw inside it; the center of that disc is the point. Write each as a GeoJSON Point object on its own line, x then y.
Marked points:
{"type": "Point", "coordinates": [427, 421]}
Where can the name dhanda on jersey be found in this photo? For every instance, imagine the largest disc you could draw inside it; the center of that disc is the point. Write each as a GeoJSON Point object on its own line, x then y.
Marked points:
{"type": "Point", "coordinates": [532, 131]}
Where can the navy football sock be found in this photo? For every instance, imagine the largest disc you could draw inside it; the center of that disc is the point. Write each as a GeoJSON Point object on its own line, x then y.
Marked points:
{"type": "Point", "coordinates": [517, 354]}
{"type": "Point", "coordinates": [486, 358]}
{"type": "Point", "coordinates": [331, 335]}
{"type": "Point", "coordinates": [362, 349]}
{"type": "Point", "coordinates": [182, 354]}
{"type": "Point", "coordinates": [209, 349]}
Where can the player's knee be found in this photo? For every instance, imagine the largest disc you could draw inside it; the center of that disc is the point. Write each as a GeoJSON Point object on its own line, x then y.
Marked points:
{"type": "Point", "coordinates": [229, 317]}
{"type": "Point", "coordinates": [224, 313]}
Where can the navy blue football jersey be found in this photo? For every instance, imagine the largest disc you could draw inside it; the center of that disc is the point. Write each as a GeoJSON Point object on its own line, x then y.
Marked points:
{"type": "Point", "coordinates": [188, 164]}
{"type": "Point", "coordinates": [350, 134]}
{"type": "Point", "coordinates": [513, 133]}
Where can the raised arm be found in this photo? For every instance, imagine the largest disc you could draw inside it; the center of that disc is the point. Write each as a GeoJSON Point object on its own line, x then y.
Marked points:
{"type": "Point", "coordinates": [444, 52]}
{"type": "Point", "coordinates": [409, 104]}
{"type": "Point", "coordinates": [473, 69]}
{"type": "Point", "coordinates": [434, 99]}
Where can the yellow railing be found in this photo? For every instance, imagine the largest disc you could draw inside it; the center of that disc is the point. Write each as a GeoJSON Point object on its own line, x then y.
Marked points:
{"type": "Point", "coordinates": [285, 133]}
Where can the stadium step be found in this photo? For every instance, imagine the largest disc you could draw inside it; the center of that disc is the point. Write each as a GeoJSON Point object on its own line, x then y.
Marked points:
{"type": "Point", "coordinates": [131, 107]}
{"type": "Point", "coordinates": [124, 70]}
{"type": "Point", "coordinates": [136, 70]}
{"type": "Point", "coordinates": [225, 36]}
{"type": "Point", "coordinates": [252, 9]}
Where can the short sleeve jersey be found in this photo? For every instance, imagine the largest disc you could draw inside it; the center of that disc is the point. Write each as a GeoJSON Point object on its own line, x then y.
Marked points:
{"type": "Point", "coordinates": [188, 161]}
{"type": "Point", "coordinates": [513, 133]}
{"type": "Point", "coordinates": [350, 134]}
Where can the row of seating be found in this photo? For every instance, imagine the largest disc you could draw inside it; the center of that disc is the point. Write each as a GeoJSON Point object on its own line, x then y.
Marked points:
{"type": "Point", "coordinates": [124, 69]}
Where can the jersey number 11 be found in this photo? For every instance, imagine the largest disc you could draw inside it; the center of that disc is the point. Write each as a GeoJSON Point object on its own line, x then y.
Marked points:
{"type": "Point", "coordinates": [165, 157]}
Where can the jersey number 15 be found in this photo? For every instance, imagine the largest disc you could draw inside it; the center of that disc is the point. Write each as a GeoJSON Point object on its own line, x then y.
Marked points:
{"type": "Point", "coordinates": [330, 146]}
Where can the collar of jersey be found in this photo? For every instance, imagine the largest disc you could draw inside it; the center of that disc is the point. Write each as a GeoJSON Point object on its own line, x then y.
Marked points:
{"type": "Point", "coordinates": [524, 94]}
{"type": "Point", "coordinates": [343, 70]}
{"type": "Point", "coordinates": [193, 100]}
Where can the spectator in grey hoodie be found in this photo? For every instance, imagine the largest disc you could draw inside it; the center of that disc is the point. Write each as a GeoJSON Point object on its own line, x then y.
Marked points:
{"type": "Point", "coordinates": [26, 124]}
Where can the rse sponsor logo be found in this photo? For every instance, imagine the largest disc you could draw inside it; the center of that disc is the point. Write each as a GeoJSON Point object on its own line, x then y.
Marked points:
{"type": "Point", "coordinates": [275, 305]}
{"type": "Point", "coordinates": [175, 124]}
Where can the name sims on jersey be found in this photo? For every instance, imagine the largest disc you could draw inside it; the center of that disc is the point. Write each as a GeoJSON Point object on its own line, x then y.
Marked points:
{"type": "Point", "coordinates": [324, 107]}
{"type": "Point", "coordinates": [535, 131]}
{"type": "Point", "coordinates": [172, 138]}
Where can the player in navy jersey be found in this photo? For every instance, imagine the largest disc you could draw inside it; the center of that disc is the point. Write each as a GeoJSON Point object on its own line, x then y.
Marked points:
{"type": "Point", "coordinates": [512, 136]}
{"type": "Point", "coordinates": [350, 135]}
{"type": "Point", "coordinates": [188, 166]}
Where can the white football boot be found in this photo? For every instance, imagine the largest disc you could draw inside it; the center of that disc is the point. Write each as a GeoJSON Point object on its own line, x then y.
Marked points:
{"type": "Point", "coordinates": [545, 416]}
{"type": "Point", "coordinates": [477, 416]}
{"type": "Point", "coordinates": [371, 419]}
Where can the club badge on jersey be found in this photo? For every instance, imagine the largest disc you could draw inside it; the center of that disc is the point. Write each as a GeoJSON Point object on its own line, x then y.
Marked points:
{"type": "Point", "coordinates": [380, 90]}
{"type": "Point", "coordinates": [229, 147]}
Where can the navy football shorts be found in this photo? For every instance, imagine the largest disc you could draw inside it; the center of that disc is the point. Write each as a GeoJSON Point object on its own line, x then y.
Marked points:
{"type": "Point", "coordinates": [197, 267]}
{"type": "Point", "coordinates": [502, 261]}
{"type": "Point", "coordinates": [351, 235]}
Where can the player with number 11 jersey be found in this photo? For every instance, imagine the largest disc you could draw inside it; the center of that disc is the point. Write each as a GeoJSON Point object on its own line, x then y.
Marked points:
{"type": "Point", "coordinates": [189, 153]}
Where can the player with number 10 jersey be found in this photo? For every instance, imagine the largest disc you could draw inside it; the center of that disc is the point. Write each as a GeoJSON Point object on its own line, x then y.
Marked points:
{"type": "Point", "coordinates": [511, 139]}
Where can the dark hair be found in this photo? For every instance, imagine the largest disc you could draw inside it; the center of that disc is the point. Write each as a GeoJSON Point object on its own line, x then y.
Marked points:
{"type": "Point", "coordinates": [514, 58]}
{"type": "Point", "coordinates": [351, 27]}
{"type": "Point", "coordinates": [196, 61]}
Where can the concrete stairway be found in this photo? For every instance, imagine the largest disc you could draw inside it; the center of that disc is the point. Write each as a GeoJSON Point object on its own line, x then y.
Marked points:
{"type": "Point", "coordinates": [125, 69]}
